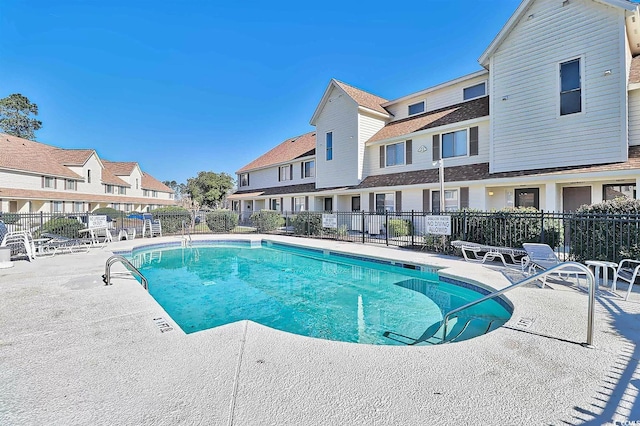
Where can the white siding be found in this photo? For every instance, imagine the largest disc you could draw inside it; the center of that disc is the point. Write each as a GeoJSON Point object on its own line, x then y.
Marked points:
{"type": "Point", "coordinates": [22, 180]}
{"type": "Point", "coordinates": [424, 160]}
{"type": "Point", "coordinates": [528, 132]}
{"type": "Point", "coordinates": [367, 127]}
{"type": "Point", "coordinates": [95, 187]}
{"type": "Point", "coordinates": [268, 177]}
{"type": "Point", "coordinates": [449, 95]}
{"type": "Point", "coordinates": [339, 116]}
{"type": "Point", "coordinates": [634, 117]}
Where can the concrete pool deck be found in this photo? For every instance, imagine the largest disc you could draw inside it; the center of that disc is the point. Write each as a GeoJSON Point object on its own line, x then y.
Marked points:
{"type": "Point", "coordinates": [76, 352]}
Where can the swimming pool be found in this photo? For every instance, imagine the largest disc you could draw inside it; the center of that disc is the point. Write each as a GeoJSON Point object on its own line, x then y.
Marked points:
{"type": "Point", "coordinates": [311, 292]}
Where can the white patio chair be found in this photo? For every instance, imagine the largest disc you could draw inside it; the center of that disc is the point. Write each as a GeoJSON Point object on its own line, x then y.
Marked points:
{"type": "Point", "coordinates": [628, 270]}
{"type": "Point", "coordinates": [542, 257]}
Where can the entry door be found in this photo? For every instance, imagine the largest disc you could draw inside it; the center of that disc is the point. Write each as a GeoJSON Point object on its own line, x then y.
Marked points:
{"type": "Point", "coordinates": [355, 204]}
{"type": "Point", "coordinates": [328, 204]}
{"type": "Point", "coordinates": [13, 207]}
{"type": "Point", "coordinates": [574, 197]}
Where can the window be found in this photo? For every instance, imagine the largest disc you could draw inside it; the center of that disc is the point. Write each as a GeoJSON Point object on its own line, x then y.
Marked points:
{"type": "Point", "coordinates": [298, 204]}
{"type": "Point", "coordinates": [108, 189]}
{"type": "Point", "coordinates": [355, 203]}
{"type": "Point", "coordinates": [70, 185]}
{"type": "Point", "coordinates": [450, 201]}
{"type": "Point", "coordinates": [155, 194]}
{"type": "Point", "coordinates": [385, 202]}
{"type": "Point", "coordinates": [48, 182]}
{"type": "Point", "coordinates": [275, 204]}
{"type": "Point", "coordinates": [137, 187]}
{"type": "Point", "coordinates": [57, 206]}
{"type": "Point", "coordinates": [78, 207]}
{"type": "Point", "coordinates": [145, 192]}
{"type": "Point", "coordinates": [416, 108]}
{"type": "Point", "coordinates": [329, 146]}
{"type": "Point", "coordinates": [454, 144]}
{"type": "Point", "coordinates": [309, 168]}
{"type": "Point", "coordinates": [128, 207]}
{"type": "Point", "coordinates": [123, 190]}
{"type": "Point", "coordinates": [474, 91]}
{"type": "Point", "coordinates": [624, 190]}
{"type": "Point", "coordinates": [394, 154]}
{"type": "Point", "coordinates": [115, 206]}
{"type": "Point", "coordinates": [244, 179]}
{"type": "Point", "coordinates": [570, 88]}
{"type": "Point", "coordinates": [285, 173]}
{"type": "Point", "coordinates": [528, 197]}
{"type": "Point", "coordinates": [89, 176]}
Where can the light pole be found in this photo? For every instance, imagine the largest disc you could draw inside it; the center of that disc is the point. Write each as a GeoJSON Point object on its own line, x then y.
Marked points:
{"type": "Point", "coordinates": [441, 173]}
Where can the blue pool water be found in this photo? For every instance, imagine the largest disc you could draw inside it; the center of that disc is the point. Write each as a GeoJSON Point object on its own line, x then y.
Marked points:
{"type": "Point", "coordinates": [306, 292]}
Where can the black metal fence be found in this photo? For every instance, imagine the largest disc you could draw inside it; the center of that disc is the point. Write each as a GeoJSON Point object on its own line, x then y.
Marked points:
{"type": "Point", "coordinates": [574, 236]}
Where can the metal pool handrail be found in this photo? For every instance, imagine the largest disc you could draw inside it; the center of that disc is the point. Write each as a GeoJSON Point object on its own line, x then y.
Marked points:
{"type": "Point", "coordinates": [590, 280]}
{"type": "Point", "coordinates": [118, 258]}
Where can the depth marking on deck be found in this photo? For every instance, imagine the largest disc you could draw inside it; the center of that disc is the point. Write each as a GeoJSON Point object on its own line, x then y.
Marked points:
{"type": "Point", "coordinates": [162, 324]}
{"type": "Point", "coordinates": [524, 322]}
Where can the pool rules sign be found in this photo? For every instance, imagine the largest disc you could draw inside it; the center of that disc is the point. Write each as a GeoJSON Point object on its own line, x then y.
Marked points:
{"type": "Point", "coordinates": [438, 225]}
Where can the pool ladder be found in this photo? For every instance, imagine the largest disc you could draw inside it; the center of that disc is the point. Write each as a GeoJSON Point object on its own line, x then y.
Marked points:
{"type": "Point", "coordinates": [440, 333]}
{"type": "Point", "coordinates": [106, 278]}
{"type": "Point", "coordinates": [186, 239]}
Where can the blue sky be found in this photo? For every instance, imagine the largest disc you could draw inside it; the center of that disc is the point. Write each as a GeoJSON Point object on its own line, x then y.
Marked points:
{"type": "Point", "coordinates": [189, 86]}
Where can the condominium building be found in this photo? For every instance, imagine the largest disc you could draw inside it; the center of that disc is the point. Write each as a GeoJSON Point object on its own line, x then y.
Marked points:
{"type": "Point", "coordinates": [551, 121]}
{"type": "Point", "coordinates": [35, 177]}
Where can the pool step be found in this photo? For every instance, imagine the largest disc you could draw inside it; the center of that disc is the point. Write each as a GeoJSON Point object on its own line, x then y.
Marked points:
{"type": "Point", "coordinates": [457, 330]}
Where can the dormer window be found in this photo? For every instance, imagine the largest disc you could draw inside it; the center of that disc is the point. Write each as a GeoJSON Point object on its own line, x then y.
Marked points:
{"type": "Point", "coordinates": [70, 185]}
{"type": "Point", "coordinates": [416, 108]}
{"type": "Point", "coordinates": [474, 91]}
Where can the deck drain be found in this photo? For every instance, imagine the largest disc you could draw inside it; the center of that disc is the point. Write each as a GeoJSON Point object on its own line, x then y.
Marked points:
{"type": "Point", "coordinates": [525, 322]}
{"type": "Point", "coordinates": [162, 324]}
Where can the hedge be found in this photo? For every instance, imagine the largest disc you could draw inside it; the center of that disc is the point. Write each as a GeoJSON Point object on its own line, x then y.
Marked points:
{"type": "Point", "coordinates": [609, 230]}
{"type": "Point", "coordinates": [171, 218]}
{"type": "Point", "coordinates": [63, 227]}
{"type": "Point", "coordinates": [307, 223]}
{"type": "Point", "coordinates": [221, 220]}
{"type": "Point", "coordinates": [267, 220]}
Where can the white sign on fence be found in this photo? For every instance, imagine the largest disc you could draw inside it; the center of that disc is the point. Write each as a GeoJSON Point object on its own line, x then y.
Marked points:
{"type": "Point", "coordinates": [438, 225]}
{"type": "Point", "coordinates": [330, 221]}
{"type": "Point", "coordinates": [99, 221]}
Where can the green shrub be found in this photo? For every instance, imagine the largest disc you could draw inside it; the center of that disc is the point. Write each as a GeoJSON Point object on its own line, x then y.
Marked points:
{"type": "Point", "coordinates": [267, 220]}
{"type": "Point", "coordinates": [508, 227]}
{"type": "Point", "coordinates": [171, 218]}
{"type": "Point", "coordinates": [221, 220]}
{"type": "Point", "coordinates": [399, 227]}
{"type": "Point", "coordinates": [112, 213]}
{"type": "Point", "coordinates": [63, 226]}
{"type": "Point", "coordinates": [307, 223]}
{"type": "Point", "coordinates": [606, 231]}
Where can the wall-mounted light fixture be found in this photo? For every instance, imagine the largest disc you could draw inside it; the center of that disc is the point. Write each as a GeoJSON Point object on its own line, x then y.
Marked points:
{"type": "Point", "coordinates": [607, 72]}
{"type": "Point", "coordinates": [505, 98]}
{"type": "Point", "coordinates": [490, 193]}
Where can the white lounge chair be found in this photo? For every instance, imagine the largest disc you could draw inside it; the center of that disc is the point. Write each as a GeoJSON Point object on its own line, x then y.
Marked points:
{"type": "Point", "coordinates": [59, 244]}
{"type": "Point", "coordinates": [480, 253]}
{"type": "Point", "coordinates": [18, 241]}
{"type": "Point", "coordinates": [628, 270]}
{"type": "Point", "coordinates": [542, 257]}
